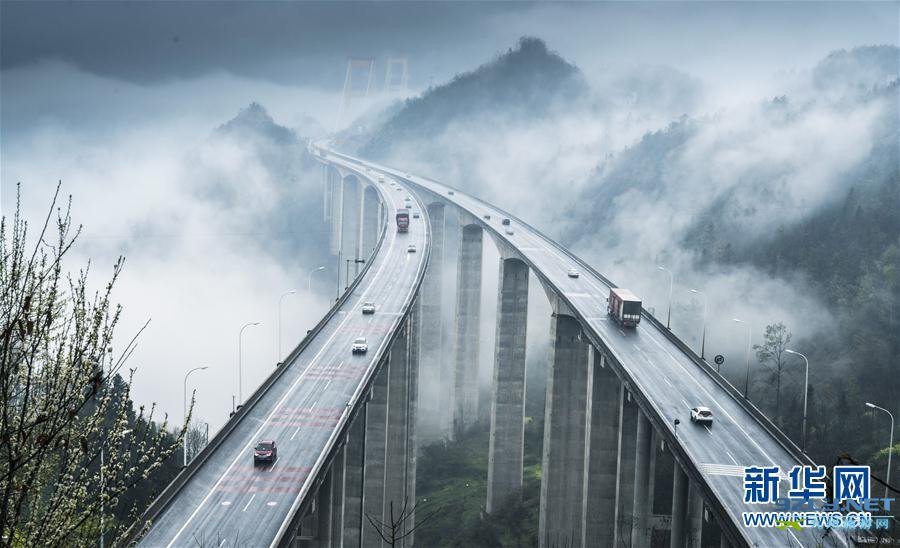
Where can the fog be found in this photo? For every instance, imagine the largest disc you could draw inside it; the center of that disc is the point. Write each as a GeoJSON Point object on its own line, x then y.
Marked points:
{"type": "Point", "coordinates": [123, 114]}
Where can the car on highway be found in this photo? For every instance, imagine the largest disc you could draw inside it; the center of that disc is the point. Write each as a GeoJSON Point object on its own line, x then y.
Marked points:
{"type": "Point", "coordinates": [368, 308]}
{"type": "Point", "coordinates": [415, 214]}
{"type": "Point", "coordinates": [408, 175]}
{"type": "Point", "coordinates": [265, 451]}
{"type": "Point", "coordinates": [360, 345]}
{"type": "Point", "coordinates": [509, 232]}
{"type": "Point", "coordinates": [505, 222]}
{"type": "Point", "coordinates": [701, 415]}
{"type": "Point", "coordinates": [574, 273]}
{"type": "Point", "coordinates": [399, 188]}
{"type": "Point", "coordinates": [450, 192]}
{"type": "Point", "coordinates": [411, 248]}
{"type": "Point", "coordinates": [486, 217]}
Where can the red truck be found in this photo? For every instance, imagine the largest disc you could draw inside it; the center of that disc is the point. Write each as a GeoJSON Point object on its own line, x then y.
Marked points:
{"type": "Point", "coordinates": [403, 220]}
{"type": "Point", "coordinates": [624, 307]}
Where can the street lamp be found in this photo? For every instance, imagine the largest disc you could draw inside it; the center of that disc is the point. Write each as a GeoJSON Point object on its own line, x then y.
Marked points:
{"type": "Point", "coordinates": [356, 261]}
{"type": "Point", "coordinates": [703, 339]}
{"type": "Point", "coordinates": [184, 401]}
{"type": "Point", "coordinates": [671, 282]}
{"type": "Point", "coordinates": [283, 295]}
{"type": "Point", "coordinates": [805, 392]}
{"type": "Point", "coordinates": [749, 341]}
{"type": "Point", "coordinates": [309, 279]}
{"type": "Point", "coordinates": [103, 491]}
{"type": "Point", "coordinates": [677, 422]}
{"type": "Point", "coordinates": [240, 356]}
{"type": "Point", "coordinates": [887, 479]}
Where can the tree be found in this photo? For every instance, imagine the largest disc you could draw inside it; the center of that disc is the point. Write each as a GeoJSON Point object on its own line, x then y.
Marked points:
{"type": "Point", "coordinates": [771, 353]}
{"type": "Point", "coordinates": [400, 525]}
{"type": "Point", "coordinates": [66, 409]}
{"type": "Point", "coordinates": [195, 438]}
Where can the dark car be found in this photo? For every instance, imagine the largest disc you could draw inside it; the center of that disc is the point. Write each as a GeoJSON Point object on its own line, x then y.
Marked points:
{"type": "Point", "coordinates": [265, 451]}
{"type": "Point", "coordinates": [505, 222]}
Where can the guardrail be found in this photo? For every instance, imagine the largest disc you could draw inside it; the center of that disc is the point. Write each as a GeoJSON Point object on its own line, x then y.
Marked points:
{"type": "Point", "coordinates": [662, 425]}
{"type": "Point", "coordinates": [137, 529]}
{"type": "Point", "coordinates": [283, 536]}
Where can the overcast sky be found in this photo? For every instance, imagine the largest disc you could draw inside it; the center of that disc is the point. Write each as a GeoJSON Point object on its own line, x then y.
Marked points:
{"type": "Point", "coordinates": [308, 43]}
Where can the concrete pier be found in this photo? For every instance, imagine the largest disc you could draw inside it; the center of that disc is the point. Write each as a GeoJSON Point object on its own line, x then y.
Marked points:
{"type": "Point", "coordinates": [349, 225]}
{"type": "Point", "coordinates": [353, 480]}
{"type": "Point", "coordinates": [565, 415]}
{"type": "Point", "coordinates": [679, 508]}
{"type": "Point", "coordinates": [368, 223]}
{"type": "Point", "coordinates": [468, 318]}
{"type": "Point", "coordinates": [508, 387]}
{"type": "Point", "coordinates": [695, 517]}
{"type": "Point", "coordinates": [640, 530]}
{"type": "Point", "coordinates": [395, 463]}
{"type": "Point", "coordinates": [338, 468]}
{"type": "Point", "coordinates": [625, 486]}
{"type": "Point", "coordinates": [411, 412]}
{"type": "Point", "coordinates": [434, 405]}
{"type": "Point", "coordinates": [337, 209]}
{"type": "Point", "coordinates": [601, 453]}
{"type": "Point", "coordinates": [373, 470]}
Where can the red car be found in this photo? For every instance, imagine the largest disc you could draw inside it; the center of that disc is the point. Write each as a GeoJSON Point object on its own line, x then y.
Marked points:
{"type": "Point", "coordinates": [265, 451]}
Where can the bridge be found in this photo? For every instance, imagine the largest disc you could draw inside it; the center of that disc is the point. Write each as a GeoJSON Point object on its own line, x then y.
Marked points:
{"type": "Point", "coordinates": [348, 426]}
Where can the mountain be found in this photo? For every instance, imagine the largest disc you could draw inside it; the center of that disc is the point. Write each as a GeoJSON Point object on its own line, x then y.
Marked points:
{"type": "Point", "coordinates": [529, 80]}
{"type": "Point", "coordinates": [255, 121]}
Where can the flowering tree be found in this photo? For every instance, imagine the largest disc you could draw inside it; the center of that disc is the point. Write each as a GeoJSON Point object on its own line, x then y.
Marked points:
{"type": "Point", "coordinates": [70, 445]}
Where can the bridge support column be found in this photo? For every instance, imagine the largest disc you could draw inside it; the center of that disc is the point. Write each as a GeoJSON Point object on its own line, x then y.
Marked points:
{"type": "Point", "coordinates": [435, 402]}
{"type": "Point", "coordinates": [324, 512]}
{"type": "Point", "coordinates": [395, 462]}
{"type": "Point", "coordinates": [508, 387]}
{"type": "Point", "coordinates": [373, 468]}
{"type": "Point", "coordinates": [695, 516]}
{"type": "Point", "coordinates": [337, 208]}
{"type": "Point", "coordinates": [625, 479]}
{"type": "Point", "coordinates": [601, 453]}
{"type": "Point", "coordinates": [368, 223]}
{"type": "Point", "coordinates": [338, 469]}
{"type": "Point", "coordinates": [640, 530]}
{"type": "Point", "coordinates": [679, 507]}
{"type": "Point", "coordinates": [353, 481]}
{"type": "Point", "coordinates": [352, 191]}
{"type": "Point", "coordinates": [468, 318]}
{"type": "Point", "coordinates": [412, 412]}
{"type": "Point", "coordinates": [562, 482]}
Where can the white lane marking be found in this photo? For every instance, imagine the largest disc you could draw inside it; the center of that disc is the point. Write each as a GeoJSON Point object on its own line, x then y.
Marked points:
{"type": "Point", "coordinates": [685, 403]}
{"type": "Point", "coordinates": [714, 400]}
{"type": "Point", "coordinates": [284, 398]}
{"type": "Point", "coordinates": [795, 538]}
{"type": "Point", "coordinates": [223, 541]}
{"type": "Point", "coordinates": [226, 503]}
{"type": "Point", "coordinates": [730, 457]}
{"type": "Point", "coordinates": [248, 503]}
{"type": "Point", "coordinates": [271, 503]}
{"type": "Point", "coordinates": [707, 429]}
{"type": "Point", "coordinates": [297, 431]}
{"type": "Point", "coordinates": [622, 332]}
{"type": "Point", "coordinates": [340, 365]}
{"type": "Point", "coordinates": [665, 378]}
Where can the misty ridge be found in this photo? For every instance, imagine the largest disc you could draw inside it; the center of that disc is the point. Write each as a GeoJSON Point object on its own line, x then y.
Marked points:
{"type": "Point", "coordinates": [783, 209]}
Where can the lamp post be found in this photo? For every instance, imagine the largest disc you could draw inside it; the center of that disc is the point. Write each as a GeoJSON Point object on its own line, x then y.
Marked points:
{"type": "Point", "coordinates": [703, 338]}
{"type": "Point", "coordinates": [677, 422]}
{"type": "Point", "coordinates": [356, 261]}
{"type": "Point", "coordinates": [103, 491]}
{"type": "Point", "coordinates": [671, 283]}
{"type": "Point", "coordinates": [184, 401]}
{"type": "Point", "coordinates": [887, 479]}
{"type": "Point", "coordinates": [281, 298]}
{"type": "Point", "coordinates": [749, 341]}
{"type": "Point", "coordinates": [240, 357]}
{"type": "Point", "coordinates": [309, 279]}
{"type": "Point", "coordinates": [805, 392]}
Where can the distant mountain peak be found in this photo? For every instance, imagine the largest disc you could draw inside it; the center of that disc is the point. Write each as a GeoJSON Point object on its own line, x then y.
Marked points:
{"type": "Point", "coordinates": [255, 120]}
{"type": "Point", "coordinates": [526, 81]}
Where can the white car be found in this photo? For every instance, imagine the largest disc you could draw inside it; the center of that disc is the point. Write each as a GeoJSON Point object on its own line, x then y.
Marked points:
{"type": "Point", "coordinates": [360, 345]}
{"type": "Point", "coordinates": [408, 175]}
{"type": "Point", "coordinates": [574, 273]}
{"type": "Point", "coordinates": [411, 248]}
{"type": "Point", "coordinates": [509, 231]}
{"type": "Point", "coordinates": [368, 308]}
{"type": "Point", "coordinates": [701, 415]}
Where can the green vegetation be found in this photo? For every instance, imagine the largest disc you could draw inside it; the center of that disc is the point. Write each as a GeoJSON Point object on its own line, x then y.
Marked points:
{"type": "Point", "coordinates": [452, 478]}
